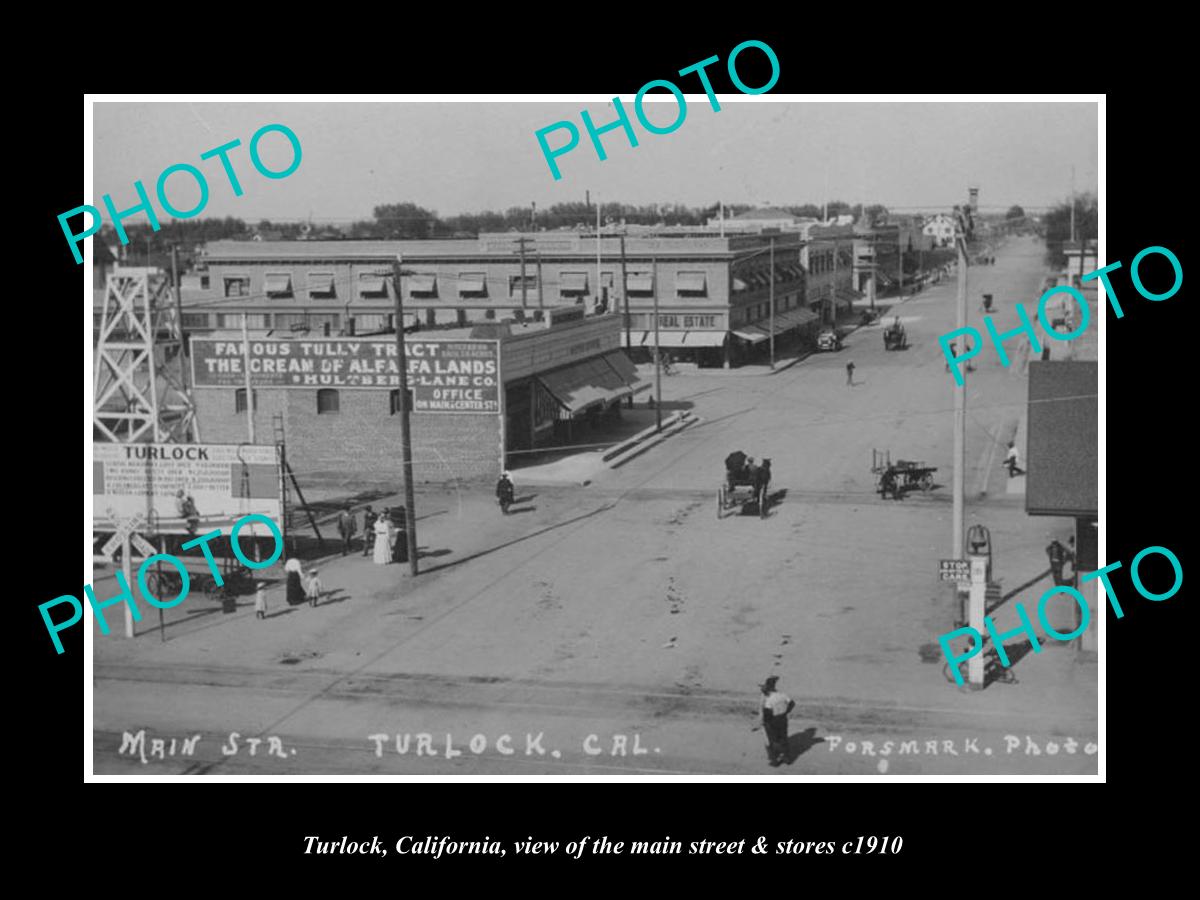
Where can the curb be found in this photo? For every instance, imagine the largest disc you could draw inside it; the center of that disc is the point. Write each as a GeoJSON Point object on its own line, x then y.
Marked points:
{"type": "Point", "coordinates": [638, 449]}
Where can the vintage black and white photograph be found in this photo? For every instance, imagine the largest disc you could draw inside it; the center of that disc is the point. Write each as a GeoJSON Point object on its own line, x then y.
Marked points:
{"type": "Point", "coordinates": [680, 435]}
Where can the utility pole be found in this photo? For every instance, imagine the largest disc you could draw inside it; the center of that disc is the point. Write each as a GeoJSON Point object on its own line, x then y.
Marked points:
{"type": "Point", "coordinates": [537, 256]}
{"type": "Point", "coordinates": [183, 347]}
{"type": "Point", "coordinates": [960, 394]}
{"type": "Point", "coordinates": [249, 388]}
{"type": "Point", "coordinates": [625, 298]}
{"type": "Point", "coordinates": [521, 240]}
{"type": "Point", "coordinates": [405, 431]}
{"type": "Point", "coordinates": [1072, 204]}
{"type": "Point", "coordinates": [657, 364]}
{"type": "Point", "coordinates": [900, 251]}
{"type": "Point", "coordinates": [597, 246]}
{"type": "Point", "coordinates": [772, 276]}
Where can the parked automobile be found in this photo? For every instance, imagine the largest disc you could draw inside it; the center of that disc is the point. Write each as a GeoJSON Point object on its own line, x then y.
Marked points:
{"type": "Point", "coordinates": [829, 340]}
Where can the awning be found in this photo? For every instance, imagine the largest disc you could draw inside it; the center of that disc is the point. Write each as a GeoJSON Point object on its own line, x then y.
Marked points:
{"type": "Point", "coordinates": [640, 284]}
{"type": "Point", "coordinates": [845, 293]}
{"type": "Point", "coordinates": [277, 284]}
{"type": "Point", "coordinates": [626, 370]}
{"type": "Point", "coordinates": [422, 284]}
{"type": "Point", "coordinates": [584, 385]}
{"type": "Point", "coordinates": [740, 285]}
{"type": "Point", "coordinates": [665, 338]}
{"type": "Point", "coordinates": [371, 284]}
{"type": "Point", "coordinates": [691, 283]}
{"type": "Point", "coordinates": [471, 283]}
{"type": "Point", "coordinates": [320, 282]}
{"type": "Point", "coordinates": [751, 334]}
{"type": "Point", "coordinates": [795, 318]}
{"type": "Point", "coordinates": [574, 283]}
{"type": "Point", "coordinates": [705, 339]}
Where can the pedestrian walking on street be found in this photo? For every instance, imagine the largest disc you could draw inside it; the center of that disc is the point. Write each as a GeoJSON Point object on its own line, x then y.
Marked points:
{"type": "Point", "coordinates": [369, 518]}
{"type": "Point", "coordinates": [260, 600]}
{"type": "Point", "coordinates": [1058, 555]}
{"type": "Point", "coordinates": [505, 491]}
{"type": "Point", "coordinates": [313, 588]}
{"type": "Point", "coordinates": [849, 374]}
{"type": "Point", "coordinates": [775, 708]}
{"type": "Point", "coordinates": [383, 540]}
{"type": "Point", "coordinates": [295, 584]}
{"type": "Point", "coordinates": [1013, 461]}
{"type": "Point", "coordinates": [345, 526]}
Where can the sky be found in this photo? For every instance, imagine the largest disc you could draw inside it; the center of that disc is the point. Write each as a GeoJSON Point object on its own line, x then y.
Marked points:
{"type": "Point", "coordinates": [455, 157]}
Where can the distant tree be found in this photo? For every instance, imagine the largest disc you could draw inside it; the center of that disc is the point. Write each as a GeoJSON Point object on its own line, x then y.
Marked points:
{"type": "Point", "coordinates": [1015, 212]}
{"type": "Point", "coordinates": [401, 221]}
{"type": "Point", "coordinates": [1057, 225]}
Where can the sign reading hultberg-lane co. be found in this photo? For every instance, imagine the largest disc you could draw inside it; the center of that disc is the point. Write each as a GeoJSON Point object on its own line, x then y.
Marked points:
{"type": "Point", "coordinates": [444, 376]}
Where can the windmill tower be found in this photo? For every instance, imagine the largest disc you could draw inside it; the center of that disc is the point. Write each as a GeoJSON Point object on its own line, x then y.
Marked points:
{"type": "Point", "coordinates": [138, 393]}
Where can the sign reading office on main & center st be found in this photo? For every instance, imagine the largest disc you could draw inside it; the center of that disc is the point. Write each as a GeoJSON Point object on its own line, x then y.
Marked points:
{"type": "Point", "coordinates": [445, 376]}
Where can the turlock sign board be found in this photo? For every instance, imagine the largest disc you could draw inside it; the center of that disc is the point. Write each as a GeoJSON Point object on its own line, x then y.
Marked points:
{"type": "Point", "coordinates": [224, 481]}
{"type": "Point", "coordinates": [444, 376]}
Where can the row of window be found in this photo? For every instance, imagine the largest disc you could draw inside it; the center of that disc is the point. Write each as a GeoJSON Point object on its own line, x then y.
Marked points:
{"type": "Point", "coordinates": [329, 401]}
{"type": "Point", "coordinates": [365, 323]}
{"type": "Point", "coordinates": [821, 263]}
{"type": "Point", "coordinates": [471, 285]}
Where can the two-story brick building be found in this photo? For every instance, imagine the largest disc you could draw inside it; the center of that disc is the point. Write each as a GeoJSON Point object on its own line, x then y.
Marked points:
{"type": "Point", "coordinates": [712, 293]}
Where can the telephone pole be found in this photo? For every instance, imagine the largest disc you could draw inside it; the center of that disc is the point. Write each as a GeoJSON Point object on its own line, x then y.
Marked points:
{"type": "Point", "coordinates": [521, 240]}
{"type": "Point", "coordinates": [771, 270]}
{"type": "Point", "coordinates": [405, 430]}
{"type": "Point", "coordinates": [657, 363]}
{"type": "Point", "coordinates": [960, 392]}
{"type": "Point", "coordinates": [625, 296]}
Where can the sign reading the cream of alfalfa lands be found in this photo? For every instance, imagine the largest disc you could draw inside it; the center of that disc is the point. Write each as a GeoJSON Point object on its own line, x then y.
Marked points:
{"type": "Point", "coordinates": [445, 376]}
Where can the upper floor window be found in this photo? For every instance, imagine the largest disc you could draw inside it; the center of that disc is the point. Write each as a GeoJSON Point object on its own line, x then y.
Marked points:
{"type": "Point", "coordinates": [472, 284]}
{"type": "Point", "coordinates": [423, 286]}
{"type": "Point", "coordinates": [515, 285]}
{"type": "Point", "coordinates": [691, 284]}
{"type": "Point", "coordinates": [237, 286]}
{"type": "Point", "coordinates": [372, 284]}
{"type": "Point", "coordinates": [277, 284]}
{"type": "Point", "coordinates": [320, 284]}
{"type": "Point", "coordinates": [573, 284]}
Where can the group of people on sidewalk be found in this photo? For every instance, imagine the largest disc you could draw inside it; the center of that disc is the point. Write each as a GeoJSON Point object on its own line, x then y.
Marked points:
{"type": "Point", "coordinates": [381, 535]}
{"type": "Point", "coordinates": [302, 587]}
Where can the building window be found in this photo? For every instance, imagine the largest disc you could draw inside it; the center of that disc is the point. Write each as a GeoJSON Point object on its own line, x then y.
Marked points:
{"type": "Point", "coordinates": [254, 321]}
{"type": "Point", "coordinates": [372, 284]}
{"type": "Point", "coordinates": [190, 320]}
{"type": "Point", "coordinates": [320, 284]}
{"type": "Point", "coordinates": [515, 282]}
{"type": "Point", "coordinates": [423, 286]}
{"type": "Point", "coordinates": [489, 314]}
{"type": "Point", "coordinates": [573, 284]}
{"type": "Point", "coordinates": [372, 323]}
{"type": "Point", "coordinates": [204, 282]}
{"type": "Point", "coordinates": [277, 284]}
{"type": "Point", "coordinates": [394, 401]}
{"type": "Point", "coordinates": [431, 318]}
{"type": "Point", "coordinates": [472, 284]}
{"type": "Point", "coordinates": [237, 286]}
{"type": "Point", "coordinates": [328, 401]}
{"type": "Point", "coordinates": [239, 400]}
{"type": "Point", "coordinates": [640, 284]}
{"type": "Point", "coordinates": [691, 284]}
{"type": "Point", "coordinates": [462, 318]}
{"type": "Point", "coordinates": [539, 316]}
{"type": "Point", "coordinates": [519, 315]}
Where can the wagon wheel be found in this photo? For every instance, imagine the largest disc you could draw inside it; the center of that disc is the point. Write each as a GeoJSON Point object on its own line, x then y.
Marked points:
{"type": "Point", "coordinates": [927, 482]}
{"type": "Point", "coordinates": [720, 501]}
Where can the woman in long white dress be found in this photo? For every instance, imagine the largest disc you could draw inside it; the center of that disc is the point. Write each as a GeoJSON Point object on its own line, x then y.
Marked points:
{"type": "Point", "coordinates": [383, 540]}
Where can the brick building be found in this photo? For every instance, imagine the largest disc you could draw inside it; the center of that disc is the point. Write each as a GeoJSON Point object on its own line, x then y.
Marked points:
{"type": "Point", "coordinates": [334, 401]}
{"type": "Point", "coordinates": [712, 292]}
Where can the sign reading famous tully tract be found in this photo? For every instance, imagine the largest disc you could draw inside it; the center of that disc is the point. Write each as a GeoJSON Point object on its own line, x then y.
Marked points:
{"type": "Point", "coordinates": [445, 376]}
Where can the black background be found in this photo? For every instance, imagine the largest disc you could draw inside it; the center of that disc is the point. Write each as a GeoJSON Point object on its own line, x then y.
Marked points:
{"type": "Point", "coordinates": [957, 836]}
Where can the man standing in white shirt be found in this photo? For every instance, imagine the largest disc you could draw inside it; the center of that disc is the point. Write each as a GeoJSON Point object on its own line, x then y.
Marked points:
{"type": "Point", "coordinates": [775, 708]}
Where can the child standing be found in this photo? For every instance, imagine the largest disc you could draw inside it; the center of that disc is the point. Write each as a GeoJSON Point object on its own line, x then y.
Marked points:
{"type": "Point", "coordinates": [313, 588]}
{"type": "Point", "coordinates": [260, 600]}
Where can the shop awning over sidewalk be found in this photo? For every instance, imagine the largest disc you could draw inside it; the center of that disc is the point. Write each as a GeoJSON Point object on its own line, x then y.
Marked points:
{"type": "Point", "coordinates": [584, 385]}
{"type": "Point", "coordinates": [627, 371]}
{"type": "Point", "coordinates": [752, 334]}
